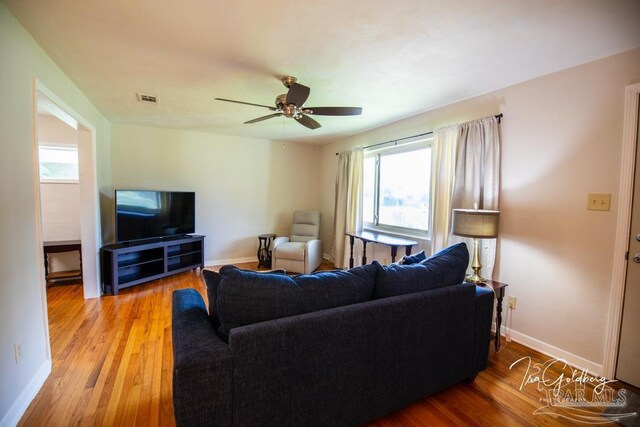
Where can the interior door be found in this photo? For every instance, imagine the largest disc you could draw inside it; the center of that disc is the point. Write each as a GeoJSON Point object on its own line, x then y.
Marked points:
{"type": "Point", "coordinates": [628, 368]}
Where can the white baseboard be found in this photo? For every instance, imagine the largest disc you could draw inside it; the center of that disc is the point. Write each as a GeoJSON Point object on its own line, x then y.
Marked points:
{"type": "Point", "coordinates": [552, 351]}
{"type": "Point", "coordinates": [23, 401]}
{"type": "Point", "coordinates": [328, 257]}
{"type": "Point", "coordinates": [225, 261]}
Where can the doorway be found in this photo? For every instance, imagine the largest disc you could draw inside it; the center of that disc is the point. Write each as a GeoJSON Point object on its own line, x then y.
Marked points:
{"type": "Point", "coordinates": [59, 196]}
{"type": "Point", "coordinates": [78, 134]}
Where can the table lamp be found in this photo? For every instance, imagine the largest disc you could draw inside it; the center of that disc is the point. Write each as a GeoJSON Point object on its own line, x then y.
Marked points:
{"type": "Point", "coordinates": [477, 224]}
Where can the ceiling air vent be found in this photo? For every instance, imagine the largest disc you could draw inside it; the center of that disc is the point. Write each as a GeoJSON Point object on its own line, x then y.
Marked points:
{"type": "Point", "coordinates": [151, 99]}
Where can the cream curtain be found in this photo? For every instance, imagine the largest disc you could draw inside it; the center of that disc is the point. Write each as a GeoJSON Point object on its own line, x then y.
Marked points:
{"type": "Point", "coordinates": [442, 184]}
{"type": "Point", "coordinates": [477, 177]}
{"type": "Point", "coordinates": [347, 215]}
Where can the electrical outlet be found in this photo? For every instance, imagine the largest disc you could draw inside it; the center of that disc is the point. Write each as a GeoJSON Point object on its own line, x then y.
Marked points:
{"type": "Point", "coordinates": [17, 348]}
{"type": "Point", "coordinates": [511, 302]}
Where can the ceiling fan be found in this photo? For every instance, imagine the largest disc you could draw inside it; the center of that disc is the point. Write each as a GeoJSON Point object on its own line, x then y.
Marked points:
{"type": "Point", "coordinates": [291, 105]}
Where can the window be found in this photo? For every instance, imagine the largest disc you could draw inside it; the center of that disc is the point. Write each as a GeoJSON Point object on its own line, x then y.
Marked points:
{"type": "Point", "coordinates": [397, 183]}
{"type": "Point", "coordinates": [58, 163]}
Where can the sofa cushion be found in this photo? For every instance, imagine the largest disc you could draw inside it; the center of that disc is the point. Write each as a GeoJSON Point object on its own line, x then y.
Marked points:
{"type": "Point", "coordinates": [246, 297]}
{"type": "Point", "coordinates": [291, 250]}
{"type": "Point", "coordinates": [412, 259]}
{"type": "Point", "coordinates": [446, 268]}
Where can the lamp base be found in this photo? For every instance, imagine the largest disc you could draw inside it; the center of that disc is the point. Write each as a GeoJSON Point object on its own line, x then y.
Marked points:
{"type": "Point", "coordinates": [476, 266]}
{"type": "Point", "coordinates": [475, 279]}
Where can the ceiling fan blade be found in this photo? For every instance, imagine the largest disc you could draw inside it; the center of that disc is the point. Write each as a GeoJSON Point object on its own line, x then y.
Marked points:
{"type": "Point", "coordinates": [245, 103]}
{"type": "Point", "coordinates": [334, 111]}
{"type": "Point", "coordinates": [307, 121]}
{"type": "Point", "coordinates": [298, 94]}
{"type": "Point", "coordinates": [259, 119]}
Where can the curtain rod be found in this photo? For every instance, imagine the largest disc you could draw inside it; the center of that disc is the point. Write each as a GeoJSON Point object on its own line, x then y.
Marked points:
{"type": "Point", "coordinates": [395, 141]}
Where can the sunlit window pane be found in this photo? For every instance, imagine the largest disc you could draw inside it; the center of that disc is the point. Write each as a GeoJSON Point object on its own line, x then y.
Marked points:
{"type": "Point", "coordinates": [404, 189]}
{"type": "Point", "coordinates": [369, 189]}
{"type": "Point", "coordinates": [58, 163]}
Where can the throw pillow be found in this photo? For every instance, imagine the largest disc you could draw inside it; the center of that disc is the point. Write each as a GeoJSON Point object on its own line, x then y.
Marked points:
{"type": "Point", "coordinates": [212, 281]}
{"type": "Point", "coordinates": [453, 248]}
{"type": "Point", "coordinates": [246, 297]}
{"type": "Point", "coordinates": [413, 259]}
{"type": "Point", "coordinates": [445, 268]}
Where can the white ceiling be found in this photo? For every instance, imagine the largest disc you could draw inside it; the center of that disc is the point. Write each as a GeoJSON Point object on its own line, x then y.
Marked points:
{"type": "Point", "coordinates": [394, 59]}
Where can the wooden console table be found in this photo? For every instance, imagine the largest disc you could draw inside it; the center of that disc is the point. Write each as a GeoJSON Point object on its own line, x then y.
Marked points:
{"type": "Point", "coordinates": [53, 247]}
{"type": "Point", "coordinates": [383, 239]}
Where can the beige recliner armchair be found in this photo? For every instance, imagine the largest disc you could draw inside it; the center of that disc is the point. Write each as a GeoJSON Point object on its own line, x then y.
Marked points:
{"type": "Point", "coordinates": [302, 251]}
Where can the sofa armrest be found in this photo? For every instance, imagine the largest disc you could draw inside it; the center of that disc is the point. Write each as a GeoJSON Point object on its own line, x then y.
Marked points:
{"type": "Point", "coordinates": [277, 241]}
{"type": "Point", "coordinates": [482, 336]}
{"type": "Point", "coordinates": [202, 365]}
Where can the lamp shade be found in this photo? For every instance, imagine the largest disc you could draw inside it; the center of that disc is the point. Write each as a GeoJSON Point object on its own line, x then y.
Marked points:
{"type": "Point", "coordinates": [479, 224]}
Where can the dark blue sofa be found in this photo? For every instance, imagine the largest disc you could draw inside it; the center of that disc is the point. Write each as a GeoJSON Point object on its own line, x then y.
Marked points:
{"type": "Point", "coordinates": [341, 365]}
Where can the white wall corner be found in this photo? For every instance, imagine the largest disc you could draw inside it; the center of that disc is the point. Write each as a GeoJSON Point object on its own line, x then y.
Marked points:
{"type": "Point", "coordinates": [17, 410]}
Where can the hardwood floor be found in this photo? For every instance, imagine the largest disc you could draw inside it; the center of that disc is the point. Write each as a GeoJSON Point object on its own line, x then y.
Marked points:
{"type": "Point", "coordinates": [112, 365]}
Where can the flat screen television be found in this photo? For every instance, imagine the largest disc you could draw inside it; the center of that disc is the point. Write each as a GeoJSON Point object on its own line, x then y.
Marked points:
{"type": "Point", "coordinates": [144, 214]}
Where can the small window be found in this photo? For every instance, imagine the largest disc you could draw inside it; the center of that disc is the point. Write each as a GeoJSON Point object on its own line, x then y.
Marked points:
{"type": "Point", "coordinates": [397, 184]}
{"type": "Point", "coordinates": [58, 163]}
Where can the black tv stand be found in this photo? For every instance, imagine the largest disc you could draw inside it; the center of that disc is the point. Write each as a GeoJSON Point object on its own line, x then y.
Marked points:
{"type": "Point", "coordinates": [132, 263]}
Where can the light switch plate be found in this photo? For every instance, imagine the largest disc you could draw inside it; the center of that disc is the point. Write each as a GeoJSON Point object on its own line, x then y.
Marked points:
{"type": "Point", "coordinates": [599, 202]}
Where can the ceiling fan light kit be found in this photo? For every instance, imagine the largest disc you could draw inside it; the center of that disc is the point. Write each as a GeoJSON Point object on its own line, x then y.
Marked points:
{"type": "Point", "coordinates": [291, 105]}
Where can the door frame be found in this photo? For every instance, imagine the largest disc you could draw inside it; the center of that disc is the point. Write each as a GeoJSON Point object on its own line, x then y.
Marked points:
{"type": "Point", "coordinates": [91, 237]}
{"type": "Point", "coordinates": [623, 228]}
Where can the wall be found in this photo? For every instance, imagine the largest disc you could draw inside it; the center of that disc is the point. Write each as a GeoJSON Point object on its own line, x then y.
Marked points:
{"type": "Point", "coordinates": [60, 205]}
{"type": "Point", "coordinates": [561, 139]}
{"type": "Point", "coordinates": [244, 187]}
{"type": "Point", "coordinates": [60, 211]}
{"type": "Point", "coordinates": [22, 297]}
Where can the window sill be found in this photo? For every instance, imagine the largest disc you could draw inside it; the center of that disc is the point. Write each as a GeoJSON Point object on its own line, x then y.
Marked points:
{"type": "Point", "coordinates": [58, 181]}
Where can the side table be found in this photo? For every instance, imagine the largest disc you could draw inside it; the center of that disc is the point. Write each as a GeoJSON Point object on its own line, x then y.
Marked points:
{"type": "Point", "coordinates": [498, 288]}
{"type": "Point", "coordinates": [52, 247]}
{"type": "Point", "coordinates": [264, 250]}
